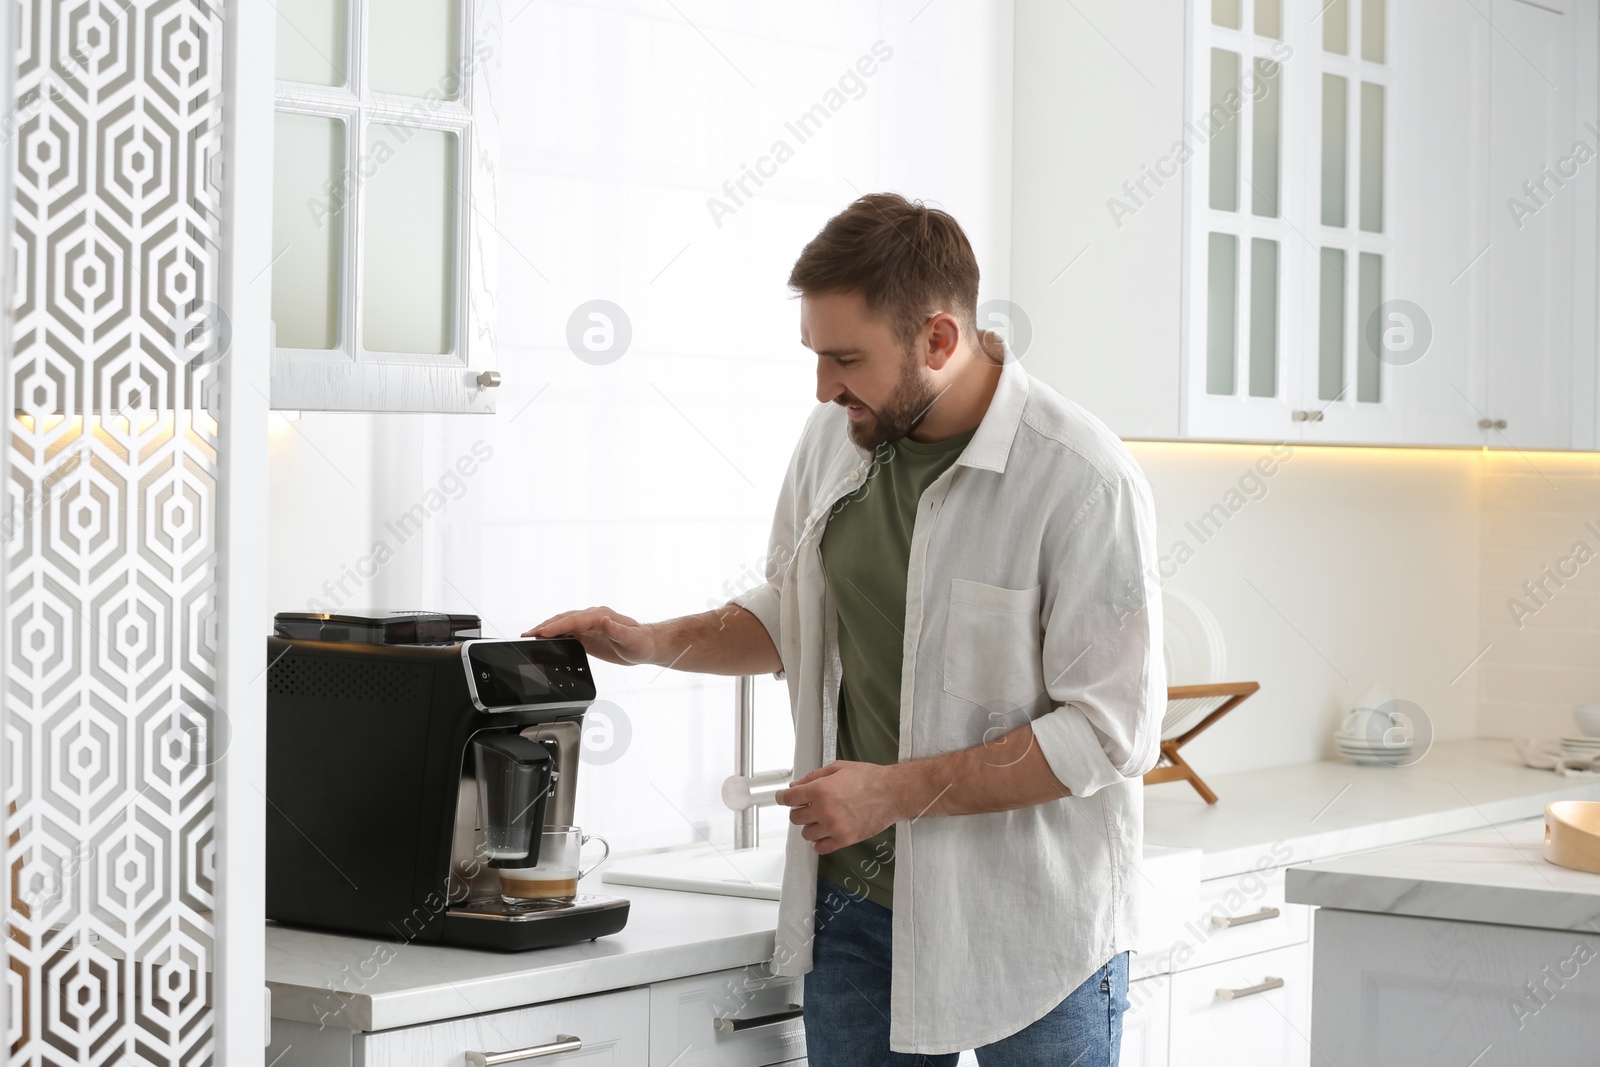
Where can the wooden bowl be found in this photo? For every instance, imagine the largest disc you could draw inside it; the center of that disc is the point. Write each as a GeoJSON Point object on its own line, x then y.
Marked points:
{"type": "Point", "coordinates": [1572, 834]}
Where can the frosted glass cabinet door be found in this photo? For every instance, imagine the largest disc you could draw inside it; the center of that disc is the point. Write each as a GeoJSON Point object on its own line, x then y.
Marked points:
{"type": "Point", "coordinates": [1240, 376]}
{"type": "Point", "coordinates": [414, 47]}
{"type": "Point", "coordinates": [308, 154]}
{"type": "Point", "coordinates": [409, 242]}
{"type": "Point", "coordinates": [385, 205]}
{"type": "Point", "coordinates": [312, 41]}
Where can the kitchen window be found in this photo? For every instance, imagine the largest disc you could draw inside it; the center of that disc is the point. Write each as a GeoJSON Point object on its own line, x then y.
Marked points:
{"type": "Point", "coordinates": [383, 205]}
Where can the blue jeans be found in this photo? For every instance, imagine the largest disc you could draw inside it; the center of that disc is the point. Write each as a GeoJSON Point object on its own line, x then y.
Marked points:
{"type": "Point", "coordinates": [847, 1002]}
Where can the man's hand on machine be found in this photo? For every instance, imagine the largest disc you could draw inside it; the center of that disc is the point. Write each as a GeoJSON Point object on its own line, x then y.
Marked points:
{"type": "Point", "coordinates": [605, 634]}
{"type": "Point", "coordinates": [725, 640]}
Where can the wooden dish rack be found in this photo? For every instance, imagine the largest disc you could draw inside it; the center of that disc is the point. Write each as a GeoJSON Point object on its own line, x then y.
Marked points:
{"type": "Point", "coordinates": [1190, 710]}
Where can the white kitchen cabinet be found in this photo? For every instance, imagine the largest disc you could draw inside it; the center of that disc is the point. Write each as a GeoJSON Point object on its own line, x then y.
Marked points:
{"type": "Point", "coordinates": [1236, 926]}
{"type": "Point", "coordinates": [1242, 915]}
{"type": "Point", "coordinates": [1246, 1012]}
{"type": "Point", "coordinates": [743, 1017]}
{"type": "Point", "coordinates": [301, 1044]}
{"type": "Point", "coordinates": [1144, 1024]}
{"type": "Point", "coordinates": [611, 1030]}
{"type": "Point", "coordinates": [1392, 157]}
{"type": "Point", "coordinates": [1247, 371]}
{"type": "Point", "coordinates": [384, 201]}
{"type": "Point", "coordinates": [1290, 223]}
{"type": "Point", "coordinates": [1098, 101]}
{"type": "Point", "coordinates": [1440, 222]}
{"type": "Point", "coordinates": [1536, 189]}
{"type": "Point", "coordinates": [1398, 990]}
{"type": "Point", "coordinates": [608, 1030]}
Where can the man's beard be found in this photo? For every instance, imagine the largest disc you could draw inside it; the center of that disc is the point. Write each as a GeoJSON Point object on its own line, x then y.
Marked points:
{"type": "Point", "coordinates": [904, 412]}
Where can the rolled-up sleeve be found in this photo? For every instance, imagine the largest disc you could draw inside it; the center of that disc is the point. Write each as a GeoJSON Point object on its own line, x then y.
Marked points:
{"type": "Point", "coordinates": [1102, 655]}
{"type": "Point", "coordinates": [763, 602]}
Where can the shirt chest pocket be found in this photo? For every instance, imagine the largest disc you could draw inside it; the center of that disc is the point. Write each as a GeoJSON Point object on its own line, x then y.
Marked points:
{"type": "Point", "coordinates": [992, 646]}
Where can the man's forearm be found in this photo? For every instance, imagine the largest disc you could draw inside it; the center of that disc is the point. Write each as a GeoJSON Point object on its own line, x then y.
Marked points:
{"type": "Point", "coordinates": [727, 640]}
{"type": "Point", "coordinates": [1009, 772]}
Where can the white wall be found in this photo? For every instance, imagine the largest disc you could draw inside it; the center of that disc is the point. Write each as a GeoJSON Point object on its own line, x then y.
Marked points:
{"type": "Point", "coordinates": [1540, 610]}
{"type": "Point", "coordinates": [1344, 570]}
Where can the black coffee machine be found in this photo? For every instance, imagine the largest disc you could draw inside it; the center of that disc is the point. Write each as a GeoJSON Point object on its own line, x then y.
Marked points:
{"type": "Point", "coordinates": [407, 760]}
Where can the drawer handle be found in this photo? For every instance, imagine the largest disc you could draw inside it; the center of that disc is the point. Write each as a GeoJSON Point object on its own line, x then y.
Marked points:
{"type": "Point", "coordinates": [1226, 921]}
{"type": "Point", "coordinates": [562, 1043]}
{"type": "Point", "coordinates": [1250, 990]}
{"type": "Point", "coordinates": [728, 1025]}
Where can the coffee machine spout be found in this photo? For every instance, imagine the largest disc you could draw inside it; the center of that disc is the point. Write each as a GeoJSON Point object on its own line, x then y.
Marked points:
{"type": "Point", "coordinates": [514, 776]}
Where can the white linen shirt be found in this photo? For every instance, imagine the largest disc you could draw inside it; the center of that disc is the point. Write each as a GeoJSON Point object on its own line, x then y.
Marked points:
{"type": "Point", "coordinates": [1031, 596]}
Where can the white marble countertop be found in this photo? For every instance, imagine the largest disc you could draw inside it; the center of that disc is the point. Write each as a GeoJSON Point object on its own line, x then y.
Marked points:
{"type": "Point", "coordinates": [1293, 814]}
{"type": "Point", "coordinates": [1497, 874]}
{"type": "Point", "coordinates": [1311, 811]}
{"type": "Point", "coordinates": [360, 983]}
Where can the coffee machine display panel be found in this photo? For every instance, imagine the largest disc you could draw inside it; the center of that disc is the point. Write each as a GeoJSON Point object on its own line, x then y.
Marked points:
{"type": "Point", "coordinates": [517, 675]}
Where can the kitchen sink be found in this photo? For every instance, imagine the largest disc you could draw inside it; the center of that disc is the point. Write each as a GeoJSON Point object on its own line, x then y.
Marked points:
{"type": "Point", "coordinates": [1170, 891]}
{"type": "Point", "coordinates": [750, 872]}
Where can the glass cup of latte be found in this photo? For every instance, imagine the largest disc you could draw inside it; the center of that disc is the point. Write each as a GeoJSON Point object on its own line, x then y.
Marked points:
{"type": "Point", "coordinates": [555, 879]}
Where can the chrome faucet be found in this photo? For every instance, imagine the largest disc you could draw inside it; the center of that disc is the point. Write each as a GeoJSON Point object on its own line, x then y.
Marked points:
{"type": "Point", "coordinates": [746, 791]}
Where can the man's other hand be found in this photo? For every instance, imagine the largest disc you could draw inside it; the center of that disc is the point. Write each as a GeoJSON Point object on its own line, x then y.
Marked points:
{"type": "Point", "coordinates": [843, 803]}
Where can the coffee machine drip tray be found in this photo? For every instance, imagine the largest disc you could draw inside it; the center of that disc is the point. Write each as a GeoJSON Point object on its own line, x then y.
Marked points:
{"type": "Point", "coordinates": [491, 923]}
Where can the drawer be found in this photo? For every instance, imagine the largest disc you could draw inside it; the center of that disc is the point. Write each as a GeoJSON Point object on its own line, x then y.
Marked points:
{"type": "Point", "coordinates": [612, 1030]}
{"type": "Point", "coordinates": [1237, 1014]}
{"type": "Point", "coordinates": [735, 1018]}
{"type": "Point", "coordinates": [1145, 1023]}
{"type": "Point", "coordinates": [1238, 916]}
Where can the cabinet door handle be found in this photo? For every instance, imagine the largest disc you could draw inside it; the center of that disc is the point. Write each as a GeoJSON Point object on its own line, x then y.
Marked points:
{"type": "Point", "coordinates": [1250, 990]}
{"type": "Point", "coordinates": [1491, 424]}
{"type": "Point", "coordinates": [1308, 416]}
{"type": "Point", "coordinates": [729, 1025]}
{"type": "Point", "coordinates": [489, 379]}
{"type": "Point", "coordinates": [1240, 920]}
{"type": "Point", "coordinates": [562, 1043]}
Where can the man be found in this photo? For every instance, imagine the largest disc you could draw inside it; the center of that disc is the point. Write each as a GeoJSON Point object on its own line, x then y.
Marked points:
{"type": "Point", "coordinates": [960, 594]}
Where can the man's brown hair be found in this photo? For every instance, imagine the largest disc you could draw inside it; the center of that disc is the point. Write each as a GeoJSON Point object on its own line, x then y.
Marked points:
{"type": "Point", "coordinates": [906, 260]}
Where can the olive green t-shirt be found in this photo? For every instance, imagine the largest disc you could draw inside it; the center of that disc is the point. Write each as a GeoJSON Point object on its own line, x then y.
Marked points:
{"type": "Point", "coordinates": [866, 554]}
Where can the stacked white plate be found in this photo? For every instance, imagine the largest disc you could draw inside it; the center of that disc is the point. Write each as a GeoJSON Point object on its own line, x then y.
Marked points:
{"type": "Point", "coordinates": [1580, 745]}
{"type": "Point", "coordinates": [1392, 749]}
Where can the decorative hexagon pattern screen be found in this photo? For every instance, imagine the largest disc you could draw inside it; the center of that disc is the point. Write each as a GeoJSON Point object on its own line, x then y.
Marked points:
{"type": "Point", "coordinates": [112, 725]}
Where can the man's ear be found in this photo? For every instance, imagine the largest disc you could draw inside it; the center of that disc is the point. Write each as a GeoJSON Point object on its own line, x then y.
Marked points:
{"type": "Point", "coordinates": [942, 335]}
